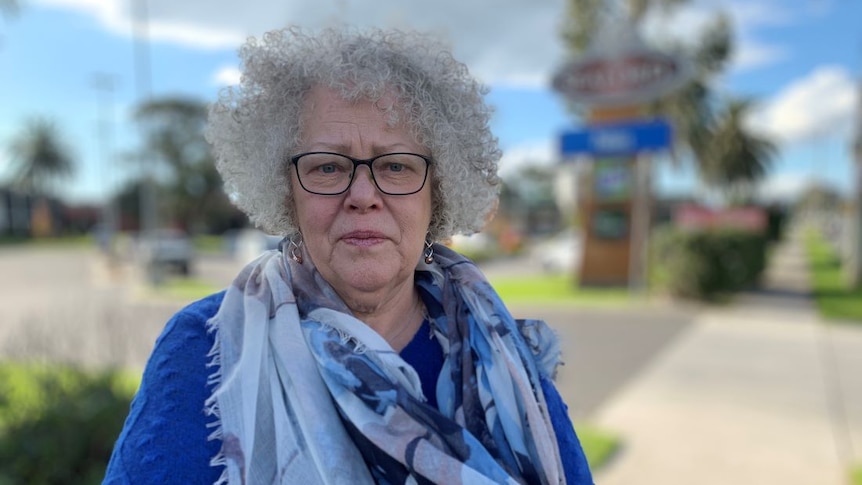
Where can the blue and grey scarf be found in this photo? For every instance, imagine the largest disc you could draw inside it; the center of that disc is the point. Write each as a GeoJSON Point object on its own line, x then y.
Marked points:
{"type": "Point", "coordinates": [306, 393]}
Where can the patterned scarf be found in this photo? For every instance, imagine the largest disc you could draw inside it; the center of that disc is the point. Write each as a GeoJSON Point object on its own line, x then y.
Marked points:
{"type": "Point", "coordinates": [306, 393]}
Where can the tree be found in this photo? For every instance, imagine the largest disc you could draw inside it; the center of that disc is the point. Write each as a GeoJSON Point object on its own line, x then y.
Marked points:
{"type": "Point", "coordinates": [173, 137]}
{"type": "Point", "coordinates": [735, 159]}
{"type": "Point", "coordinates": [39, 157]}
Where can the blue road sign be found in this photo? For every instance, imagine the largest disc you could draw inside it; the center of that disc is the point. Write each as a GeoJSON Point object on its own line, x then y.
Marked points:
{"type": "Point", "coordinates": [626, 138]}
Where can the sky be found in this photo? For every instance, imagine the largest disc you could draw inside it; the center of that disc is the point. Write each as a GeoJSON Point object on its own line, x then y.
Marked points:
{"type": "Point", "coordinates": [78, 63]}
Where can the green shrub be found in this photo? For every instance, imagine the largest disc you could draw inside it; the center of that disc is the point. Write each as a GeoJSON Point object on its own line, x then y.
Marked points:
{"type": "Point", "coordinates": [706, 264]}
{"type": "Point", "coordinates": [58, 424]}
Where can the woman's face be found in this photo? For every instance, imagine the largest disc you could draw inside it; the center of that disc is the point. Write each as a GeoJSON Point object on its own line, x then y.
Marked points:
{"type": "Point", "coordinates": [366, 244]}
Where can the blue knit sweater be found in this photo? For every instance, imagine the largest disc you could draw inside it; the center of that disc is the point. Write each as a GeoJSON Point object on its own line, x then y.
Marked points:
{"type": "Point", "coordinates": [164, 440]}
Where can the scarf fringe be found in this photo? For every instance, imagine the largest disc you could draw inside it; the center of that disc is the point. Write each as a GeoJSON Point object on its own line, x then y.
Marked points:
{"type": "Point", "coordinates": [211, 407]}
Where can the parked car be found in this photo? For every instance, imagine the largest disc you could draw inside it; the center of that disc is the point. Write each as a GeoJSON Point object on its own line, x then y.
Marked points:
{"type": "Point", "coordinates": [167, 249]}
{"type": "Point", "coordinates": [561, 253]}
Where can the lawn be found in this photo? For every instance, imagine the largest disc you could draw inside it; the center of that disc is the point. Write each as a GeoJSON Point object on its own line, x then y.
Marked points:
{"type": "Point", "coordinates": [834, 298]}
{"type": "Point", "coordinates": [555, 289]}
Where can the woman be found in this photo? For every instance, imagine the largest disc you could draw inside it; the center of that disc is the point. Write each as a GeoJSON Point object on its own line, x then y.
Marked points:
{"type": "Point", "coordinates": [362, 351]}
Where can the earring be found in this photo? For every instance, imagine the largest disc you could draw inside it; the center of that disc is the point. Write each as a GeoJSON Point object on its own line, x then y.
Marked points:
{"type": "Point", "coordinates": [294, 249]}
{"type": "Point", "coordinates": [429, 252]}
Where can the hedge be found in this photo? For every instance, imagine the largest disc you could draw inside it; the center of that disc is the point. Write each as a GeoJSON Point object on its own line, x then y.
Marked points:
{"type": "Point", "coordinates": [58, 424]}
{"type": "Point", "coordinates": [706, 265]}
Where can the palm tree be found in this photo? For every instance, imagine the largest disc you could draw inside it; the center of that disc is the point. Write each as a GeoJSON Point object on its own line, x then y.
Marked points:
{"type": "Point", "coordinates": [735, 159]}
{"type": "Point", "coordinates": [39, 157]}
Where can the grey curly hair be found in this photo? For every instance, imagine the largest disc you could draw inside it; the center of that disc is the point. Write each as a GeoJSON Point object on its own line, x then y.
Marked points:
{"type": "Point", "coordinates": [255, 127]}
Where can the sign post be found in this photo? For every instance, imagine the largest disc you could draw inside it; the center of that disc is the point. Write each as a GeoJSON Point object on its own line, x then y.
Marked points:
{"type": "Point", "coordinates": [615, 78]}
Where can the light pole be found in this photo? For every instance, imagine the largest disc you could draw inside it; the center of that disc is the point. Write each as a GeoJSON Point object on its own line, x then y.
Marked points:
{"type": "Point", "coordinates": [147, 200]}
{"type": "Point", "coordinates": [104, 85]}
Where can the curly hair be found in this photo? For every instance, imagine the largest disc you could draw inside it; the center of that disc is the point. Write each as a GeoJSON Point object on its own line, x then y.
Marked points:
{"type": "Point", "coordinates": [255, 127]}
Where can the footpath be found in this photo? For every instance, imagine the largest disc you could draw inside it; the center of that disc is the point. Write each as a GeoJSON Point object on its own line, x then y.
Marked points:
{"type": "Point", "coordinates": [759, 392]}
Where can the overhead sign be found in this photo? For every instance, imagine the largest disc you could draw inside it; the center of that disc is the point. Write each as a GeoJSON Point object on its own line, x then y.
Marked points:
{"type": "Point", "coordinates": [617, 139]}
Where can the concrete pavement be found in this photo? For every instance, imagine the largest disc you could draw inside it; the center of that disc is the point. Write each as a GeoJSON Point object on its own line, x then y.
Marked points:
{"type": "Point", "coordinates": [759, 392]}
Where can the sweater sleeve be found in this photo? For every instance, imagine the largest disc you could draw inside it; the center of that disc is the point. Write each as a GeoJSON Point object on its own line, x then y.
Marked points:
{"type": "Point", "coordinates": [164, 439]}
{"type": "Point", "coordinates": [575, 465]}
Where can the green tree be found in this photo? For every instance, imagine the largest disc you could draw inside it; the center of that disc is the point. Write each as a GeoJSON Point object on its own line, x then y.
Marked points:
{"type": "Point", "coordinates": [735, 158]}
{"type": "Point", "coordinates": [192, 194]}
{"type": "Point", "coordinates": [39, 157]}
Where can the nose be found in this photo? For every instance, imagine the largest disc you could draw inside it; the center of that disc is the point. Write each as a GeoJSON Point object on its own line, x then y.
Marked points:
{"type": "Point", "coordinates": [363, 192]}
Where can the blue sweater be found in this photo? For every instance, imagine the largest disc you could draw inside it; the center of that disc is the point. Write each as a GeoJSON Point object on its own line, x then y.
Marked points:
{"type": "Point", "coordinates": [164, 439]}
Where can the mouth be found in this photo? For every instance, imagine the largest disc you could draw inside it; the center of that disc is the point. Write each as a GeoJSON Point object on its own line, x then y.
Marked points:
{"type": "Point", "coordinates": [363, 239]}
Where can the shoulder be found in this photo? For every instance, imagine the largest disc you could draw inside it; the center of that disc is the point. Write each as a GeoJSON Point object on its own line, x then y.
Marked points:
{"type": "Point", "coordinates": [165, 436]}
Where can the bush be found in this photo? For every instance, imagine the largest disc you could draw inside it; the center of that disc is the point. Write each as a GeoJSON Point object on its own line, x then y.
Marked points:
{"type": "Point", "coordinates": [58, 424]}
{"type": "Point", "coordinates": [707, 264]}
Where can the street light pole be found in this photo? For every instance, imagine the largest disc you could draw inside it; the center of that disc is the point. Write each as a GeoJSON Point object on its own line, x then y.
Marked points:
{"type": "Point", "coordinates": [104, 85]}
{"type": "Point", "coordinates": [147, 200]}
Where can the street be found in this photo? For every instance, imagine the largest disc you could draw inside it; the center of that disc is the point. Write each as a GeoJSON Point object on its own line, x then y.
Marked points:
{"type": "Point", "coordinates": [66, 304]}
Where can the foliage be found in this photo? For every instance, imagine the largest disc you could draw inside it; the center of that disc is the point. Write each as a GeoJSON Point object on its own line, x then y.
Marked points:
{"type": "Point", "coordinates": [735, 159]}
{"type": "Point", "coordinates": [706, 265]}
{"type": "Point", "coordinates": [39, 157]}
{"type": "Point", "coordinates": [192, 195]}
{"type": "Point", "coordinates": [58, 424]}
{"type": "Point", "coordinates": [832, 294]}
{"type": "Point", "coordinates": [856, 475]}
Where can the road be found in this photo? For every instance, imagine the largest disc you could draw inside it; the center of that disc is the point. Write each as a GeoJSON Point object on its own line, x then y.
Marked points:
{"type": "Point", "coordinates": [63, 304]}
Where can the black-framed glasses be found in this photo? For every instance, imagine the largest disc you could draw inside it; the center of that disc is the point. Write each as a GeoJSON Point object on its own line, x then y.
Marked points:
{"type": "Point", "coordinates": [327, 173]}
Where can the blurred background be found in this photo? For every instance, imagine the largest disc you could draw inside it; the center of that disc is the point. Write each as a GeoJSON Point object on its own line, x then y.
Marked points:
{"type": "Point", "coordinates": [728, 352]}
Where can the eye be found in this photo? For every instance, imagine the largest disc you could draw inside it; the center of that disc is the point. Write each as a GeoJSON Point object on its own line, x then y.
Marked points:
{"type": "Point", "coordinates": [394, 167]}
{"type": "Point", "coordinates": [328, 168]}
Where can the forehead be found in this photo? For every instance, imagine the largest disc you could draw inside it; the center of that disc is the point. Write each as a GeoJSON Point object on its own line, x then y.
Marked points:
{"type": "Point", "coordinates": [329, 117]}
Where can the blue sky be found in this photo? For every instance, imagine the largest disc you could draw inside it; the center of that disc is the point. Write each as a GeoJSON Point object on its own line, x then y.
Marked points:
{"type": "Point", "coordinates": [799, 60]}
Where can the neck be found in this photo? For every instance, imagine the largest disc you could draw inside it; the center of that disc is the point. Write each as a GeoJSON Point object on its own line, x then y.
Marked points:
{"type": "Point", "coordinates": [396, 320]}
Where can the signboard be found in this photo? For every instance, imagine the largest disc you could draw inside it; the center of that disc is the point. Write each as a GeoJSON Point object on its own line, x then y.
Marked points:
{"type": "Point", "coordinates": [633, 78]}
{"type": "Point", "coordinates": [625, 138]}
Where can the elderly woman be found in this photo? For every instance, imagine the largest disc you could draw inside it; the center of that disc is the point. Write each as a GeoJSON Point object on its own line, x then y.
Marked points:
{"type": "Point", "coordinates": [363, 351]}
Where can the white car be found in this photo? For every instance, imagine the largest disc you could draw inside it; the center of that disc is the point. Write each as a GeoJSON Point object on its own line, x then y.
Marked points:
{"type": "Point", "coordinates": [167, 249]}
{"type": "Point", "coordinates": [561, 253]}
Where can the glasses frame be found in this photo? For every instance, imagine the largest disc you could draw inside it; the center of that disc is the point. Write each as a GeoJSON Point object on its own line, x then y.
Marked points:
{"type": "Point", "coordinates": [356, 163]}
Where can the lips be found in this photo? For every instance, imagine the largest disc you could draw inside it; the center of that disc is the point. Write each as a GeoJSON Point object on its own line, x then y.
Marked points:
{"type": "Point", "coordinates": [363, 238]}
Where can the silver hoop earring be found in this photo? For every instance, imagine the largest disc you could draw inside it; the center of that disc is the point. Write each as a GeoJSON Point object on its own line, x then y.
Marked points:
{"type": "Point", "coordinates": [429, 252]}
{"type": "Point", "coordinates": [294, 250]}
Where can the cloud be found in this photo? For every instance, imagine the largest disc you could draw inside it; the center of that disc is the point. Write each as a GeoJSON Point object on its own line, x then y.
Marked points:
{"type": "Point", "coordinates": [517, 44]}
{"type": "Point", "coordinates": [822, 104]}
{"type": "Point", "coordinates": [227, 76]}
{"type": "Point", "coordinates": [535, 152]}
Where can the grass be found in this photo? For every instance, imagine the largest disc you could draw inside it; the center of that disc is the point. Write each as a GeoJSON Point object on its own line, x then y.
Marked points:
{"type": "Point", "coordinates": [188, 289]}
{"type": "Point", "coordinates": [856, 475]}
{"type": "Point", "coordinates": [555, 289]}
{"type": "Point", "coordinates": [598, 445]}
{"type": "Point", "coordinates": [833, 296]}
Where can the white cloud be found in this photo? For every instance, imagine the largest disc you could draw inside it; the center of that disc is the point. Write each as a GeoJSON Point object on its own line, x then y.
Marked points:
{"type": "Point", "coordinates": [516, 43]}
{"type": "Point", "coordinates": [822, 104]}
{"type": "Point", "coordinates": [535, 152]}
{"type": "Point", "coordinates": [227, 76]}
{"type": "Point", "coordinates": [784, 187]}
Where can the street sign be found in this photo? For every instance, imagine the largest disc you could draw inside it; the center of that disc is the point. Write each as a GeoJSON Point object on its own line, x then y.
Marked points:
{"type": "Point", "coordinates": [626, 138]}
